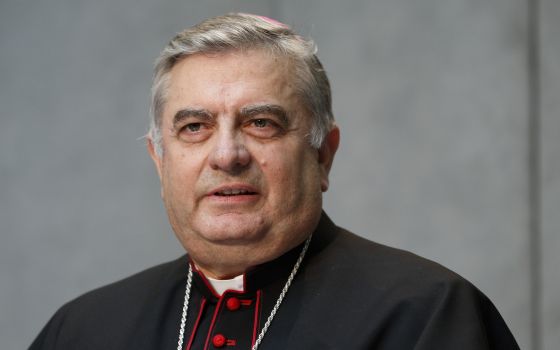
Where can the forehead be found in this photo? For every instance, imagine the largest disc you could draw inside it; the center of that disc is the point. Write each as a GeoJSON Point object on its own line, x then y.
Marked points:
{"type": "Point", "coordinates": [230, 80]}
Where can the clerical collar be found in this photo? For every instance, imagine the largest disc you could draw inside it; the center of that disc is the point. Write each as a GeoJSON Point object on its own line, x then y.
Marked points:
{"type": "Point", "coordinates": [220, 286]}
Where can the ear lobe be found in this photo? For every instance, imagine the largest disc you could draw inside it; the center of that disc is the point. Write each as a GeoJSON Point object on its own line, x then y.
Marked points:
{"type": "Point", "coordinates": [326, 155]}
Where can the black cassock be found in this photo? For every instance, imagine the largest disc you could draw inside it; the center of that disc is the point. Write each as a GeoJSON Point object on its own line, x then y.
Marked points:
{"type": "Point", "coordinates": [349, 293]}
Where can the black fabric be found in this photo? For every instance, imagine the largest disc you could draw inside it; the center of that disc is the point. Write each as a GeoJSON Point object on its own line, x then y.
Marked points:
{"type": "Point", "coordinates": [350, 293]}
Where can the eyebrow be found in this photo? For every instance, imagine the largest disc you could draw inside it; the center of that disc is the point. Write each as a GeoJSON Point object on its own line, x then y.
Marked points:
{"type": "Point", "coordinates": [245, 112]}
{"type": "Point", "coordinates": [190, 112]}
{"type": "Point", "coordinates": [276, 110]}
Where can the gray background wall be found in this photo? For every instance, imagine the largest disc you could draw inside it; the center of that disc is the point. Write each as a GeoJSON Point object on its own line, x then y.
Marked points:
{"type": "Point", "coordinates": [449, 118]}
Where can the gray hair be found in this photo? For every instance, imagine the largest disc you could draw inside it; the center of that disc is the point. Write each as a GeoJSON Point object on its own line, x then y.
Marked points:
{"type": "Point", "coordinates": [240, 31]}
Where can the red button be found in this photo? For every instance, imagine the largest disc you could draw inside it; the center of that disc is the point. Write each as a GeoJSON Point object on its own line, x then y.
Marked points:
{"type": "Point", "coordinates": [233, 304]}
{"type": "Point", "coordinates": [219, 340]}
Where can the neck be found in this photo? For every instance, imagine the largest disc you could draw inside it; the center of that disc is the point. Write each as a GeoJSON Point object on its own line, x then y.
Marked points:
{"type": "Point", "coordinates": [225, 262]}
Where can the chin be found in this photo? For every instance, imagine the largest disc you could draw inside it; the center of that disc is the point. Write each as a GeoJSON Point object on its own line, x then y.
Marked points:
{"type": "Point", "coordinates": [234, 229]}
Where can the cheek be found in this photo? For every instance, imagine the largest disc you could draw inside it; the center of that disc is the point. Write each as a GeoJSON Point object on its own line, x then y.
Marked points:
{"type": "Point", "coordinates": [178, 173]}
{"type": "Point", "coordinates": [291, 175]}
{"type": "Point", "coordinates": [277, 166]}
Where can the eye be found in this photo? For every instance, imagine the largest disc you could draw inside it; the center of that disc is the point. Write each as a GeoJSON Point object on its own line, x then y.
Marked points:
{"type": "Point", "coordinates": [193, 127]}
{"type": "Point", "coordinates": [194, 132]}
{"type": "Point", "coordinates": [261, 123]}
{"type": "Point", "coordinates": [263, 128]}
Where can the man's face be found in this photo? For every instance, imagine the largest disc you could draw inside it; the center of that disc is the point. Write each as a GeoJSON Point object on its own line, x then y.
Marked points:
{"type": "Point", "coordinates": [240, 182]}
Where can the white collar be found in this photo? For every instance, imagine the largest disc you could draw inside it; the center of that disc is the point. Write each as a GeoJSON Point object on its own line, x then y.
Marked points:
{"type": "Point", "coordinates": [220, 286]}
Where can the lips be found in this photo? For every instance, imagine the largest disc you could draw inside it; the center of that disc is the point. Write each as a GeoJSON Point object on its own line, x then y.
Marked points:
{"type": "Point", "coordinates": [233, 190]}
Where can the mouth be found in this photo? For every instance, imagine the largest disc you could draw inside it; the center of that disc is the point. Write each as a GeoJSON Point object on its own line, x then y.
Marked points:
{"type": "Point", "coordinates": [233, 192]}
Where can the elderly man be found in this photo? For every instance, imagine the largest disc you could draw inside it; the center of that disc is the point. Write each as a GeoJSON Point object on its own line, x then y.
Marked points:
{"type": "Point", "coordinates": [243, 139]}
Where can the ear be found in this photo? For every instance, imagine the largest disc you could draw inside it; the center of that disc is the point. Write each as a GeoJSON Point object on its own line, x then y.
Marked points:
{"type": "Point", "coordinates": [326, 155]}
{"type": "Point", "coordinates": [155, 157]}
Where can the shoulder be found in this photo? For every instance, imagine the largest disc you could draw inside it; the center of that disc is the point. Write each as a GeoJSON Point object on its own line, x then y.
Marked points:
{"type": "Point", "coordinates": [369, 267]}
{"type": "Point", "coordinates": [136, 287]}
{"type": "Point", "coordinates": [108, 312]}
{"type": "Point", "coordinates": [369, 258]}
{"type": "Point", "coordinates": [407, 301]}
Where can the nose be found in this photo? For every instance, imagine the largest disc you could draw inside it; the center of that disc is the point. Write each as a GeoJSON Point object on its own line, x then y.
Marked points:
{"type": "Point", "coordinates": [229, 153]}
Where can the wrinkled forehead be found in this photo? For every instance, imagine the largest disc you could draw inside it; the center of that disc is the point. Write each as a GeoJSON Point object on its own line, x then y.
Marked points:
{"type": "Point", "coordinates": [261, 58]}
{"type": "Point", "coordinates": [267, 62]}
{"type": "Point", "coordinates": [249, 75]}
{"type": "Point", "coordinates": [280, 73]}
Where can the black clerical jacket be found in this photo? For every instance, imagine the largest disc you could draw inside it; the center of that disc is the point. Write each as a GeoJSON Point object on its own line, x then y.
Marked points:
{"type": "Point", "coordinates": [349, 293]}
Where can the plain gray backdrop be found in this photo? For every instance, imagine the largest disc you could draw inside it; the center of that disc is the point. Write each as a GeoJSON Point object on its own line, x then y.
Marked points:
{"type": "Point", "coordinates": [450, 139]}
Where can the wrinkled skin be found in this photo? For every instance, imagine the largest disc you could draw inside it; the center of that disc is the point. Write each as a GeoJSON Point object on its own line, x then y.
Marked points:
{"type": "Point", "coordinates": [239, 180]}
